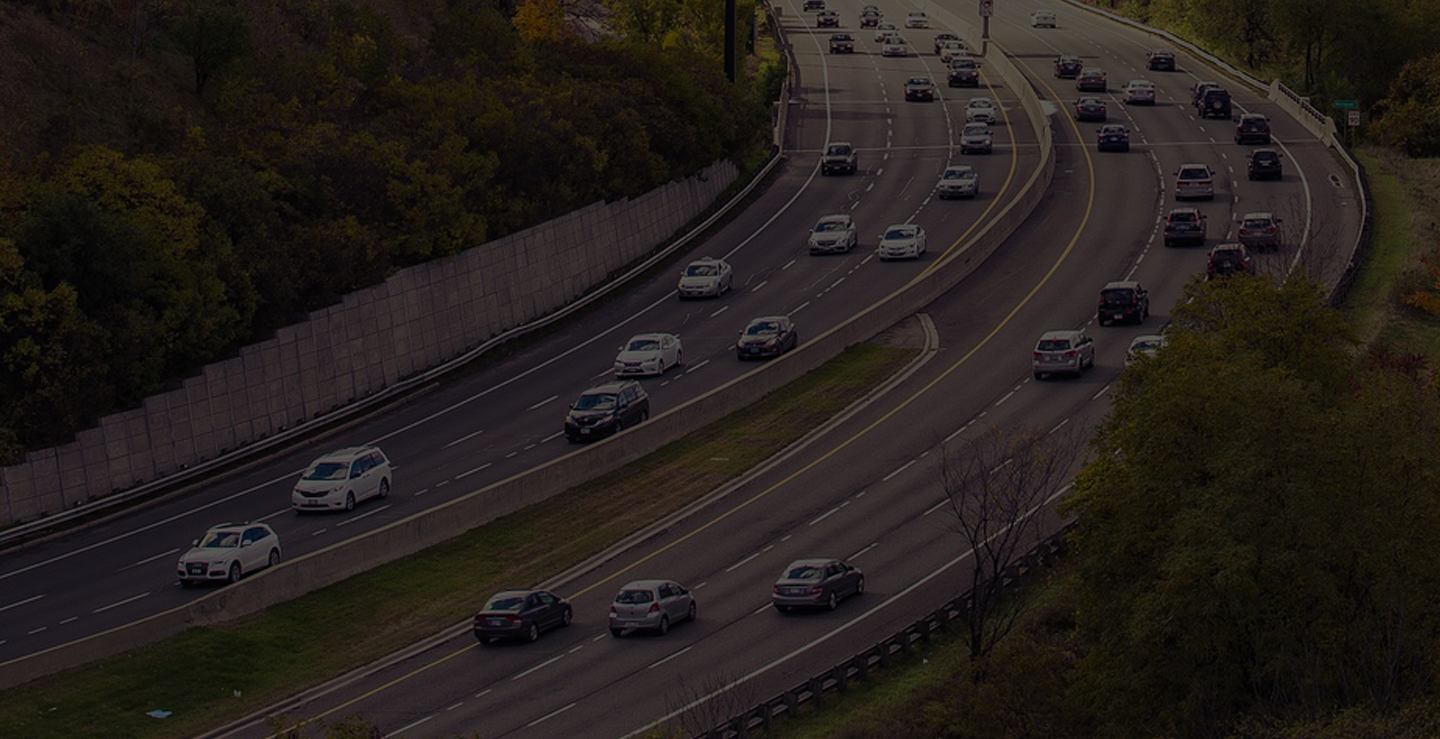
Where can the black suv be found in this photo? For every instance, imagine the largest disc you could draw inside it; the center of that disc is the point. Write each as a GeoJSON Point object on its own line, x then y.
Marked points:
{"type": "Point", "coordinates": [964, 72]}
{"type": "Point", "coordinates": [1212, 101]}
{"type": "Point", "coordinates": [1185, 226]}
{"type": "Point", "coordinates": [1264, 164]}
{"type": "Point", "coordinates": [1123, 301]}
{"type": "Point", "coordinates": [1252, 128]}
{"type": "Point", "coordinates": [1068, 67]}
{"type": "Point", "coordinates": [1160, 60]}
{"type": "Point", "coordinates": [606, 409]}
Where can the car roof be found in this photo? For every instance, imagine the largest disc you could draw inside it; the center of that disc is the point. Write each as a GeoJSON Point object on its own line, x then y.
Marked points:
{"type": "Point", "coordinates": [645, 584]}
{"type": "Point", "coordinates": [925, 80]}
{"type": "Point", "coordinates": [609, 387]}
{"type": "Point", "coordinates": [349, 452]}
{"type": "Point", "coordinates": [833, 217]}
{"type": "Point", "coordinates": [837, 143]}
{"type": "Point", "coordinates": [769, 318]}
{"type": "Point", "coordinates": [1185, 209]}
{"type": "Point", "coordinates": [1228, 247]}
{"type": "Point", "coordinates": [1121, 285]}
{"type": "Point", "coordinates": [1188, 165]}
{"type": "Point", "coordinates": [651, 335]}
{"type": "Point", "coordinates": [959, 168]}
{"type": "Point", "coordinates": [1259, 214]}
{"type": "Point", "coordinates": [707, 260]}
{"type": "Point", "coordinates": [812, 562]}
{"type": "Point", "coordinates": [1059, 333]}
{"type": "Point", "coordinates": [901, 225]}
{"type": "Point", "coordinates": [234, 525]}
{"type": "Point", "coordinates": [513, 592]}
{"type": "Point", "coordinates": [1138, 81]}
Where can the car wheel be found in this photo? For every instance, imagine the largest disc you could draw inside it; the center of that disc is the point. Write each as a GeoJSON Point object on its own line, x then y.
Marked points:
{"type": "Point", "coordinates": [384, 489]}
{"type": "Point", "coordinates": [679, 358]}
{"type": "Point", "coordinates": [644, 416]}
{"type": "Point", "coordinates": [187, 584]}
{"type": "Point", "coordinates": [690, 614]}
{"type": "Point", "coordinates": [616, 632]}
{"type": "Point", "coordinates": [860, 586]}
{"type": "Point", "coordinates": [533, 633]}
{"type": "Point", "coordinates": [567, 617]}
{"type": "Point", "coordinates": [484, 639]}
{"type": "Point", "coordinates": [349, 501]}
{"type": "Point", "coordinates": [235, 572]}
{"type": "Point", "coordinates": [831, 602]}
{"type": "Point", "coordinates": [782, 609]}
{"type": "Point", "coordinates": [664, 627]}
{"type": "Point", "coordinates": [1038, 374]}
{"type": "Point", "coordinates": [274, 557]}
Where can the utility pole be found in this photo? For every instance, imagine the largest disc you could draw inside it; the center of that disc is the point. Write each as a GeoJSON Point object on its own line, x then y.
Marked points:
{"type": "Point", "coordinates": [730, 39]}
{"type": "Point", "coordinates": [987, 8]}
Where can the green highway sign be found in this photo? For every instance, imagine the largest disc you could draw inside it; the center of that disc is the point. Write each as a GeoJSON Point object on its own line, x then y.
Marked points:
{"type": "Point", "coordinates": [1347, 104]}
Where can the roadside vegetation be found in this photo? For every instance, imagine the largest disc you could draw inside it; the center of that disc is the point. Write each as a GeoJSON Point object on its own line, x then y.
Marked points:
{"type": "Point", "coordinates": [211, 675]}
{"type": "Point", "coordinates": [177, 179]}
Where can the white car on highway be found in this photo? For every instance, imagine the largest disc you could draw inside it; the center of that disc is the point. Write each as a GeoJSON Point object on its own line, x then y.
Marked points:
{"type": "Point", "coordinates": [1042, 19]}
{"type": "Point", "coordinates": [706, 277]}
{"type": "Point", "coordinates": [917, 19]}
{"type": "Point", "coordinates": [341, 479]}
{"type": "Point", "coordinates": [648, 354]}
{"type": "Point", "coordinates": [885, 29]}
{"type": "Point", "coordinates": [832, 234]}
{"type": "Point", "coordinates": [958, 181]}
{"type": "Point", "coordinates": [1139, 92]}
{"type": "Point", "coordinates": [902, 241]}
{"type": "Point", "coordinates": [981, 110]}
{"type": "Point", "coordinates": [894, 46]}
{"type": "Point", "coordinates": [227, 552]}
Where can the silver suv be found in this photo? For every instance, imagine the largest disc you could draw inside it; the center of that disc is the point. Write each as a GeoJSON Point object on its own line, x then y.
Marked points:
{"type": "Point", "coordinates": [1194, 181]}
{"type": "Point", "coordinates": [1068, 351]}
{"type": "Point", "coordinates": [342, 478]}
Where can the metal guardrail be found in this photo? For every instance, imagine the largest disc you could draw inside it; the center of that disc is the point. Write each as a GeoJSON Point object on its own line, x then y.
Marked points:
{"type": "Point", "coordinates": [878, 656]}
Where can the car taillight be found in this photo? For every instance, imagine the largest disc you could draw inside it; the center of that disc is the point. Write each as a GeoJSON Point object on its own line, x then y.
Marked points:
{"type": "Point", "coordinates": [1038, 355]}
{"type": "Point", "coordinates": [654, 608]}
{"type": "Point", "coordinates": [613, 610]}
{"type": "Point", "coordinates": [512, 619]}
{"type": "Point", "coordinates": [1070, 354]}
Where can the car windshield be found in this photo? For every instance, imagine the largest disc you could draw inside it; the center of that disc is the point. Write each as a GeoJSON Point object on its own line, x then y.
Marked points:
{"type": "Point", "coordinates": [899, 233]}
{"type": "Point", "coordinates": [830, 226]}
{"type": "Point", "coordinates": [838, 150]}
{"type": "Point", "coordinates": [222, 540]}
{"type": "Point", "coordinates": [1194, 174]}
{"type": "Point", "coordinates": [328, 471]}
{"type": "Point", "coordinates": [762, 328]}
{"type": "Point", "coordinates": [642, 345]}
{"type": "Point", "coordinates": [803, 572]}
{"type": "Point", "coordinates": [976, 129]}
{"type": "Point", "coordinates": [920, 81]}
{"type": "Point", "coordinates": [1256, 222]}
{"type": "Point", "coordinates": [634, 597]}
{"type": "Point", "coordinates": [1054, 345]}
{"type": "Point", "coordinates": [959, 174]}
{"type": "Point", "coordinates": [596, 402]}
{"type": "Point", "coordinates": [505, 603]}
{"type": "Point", "coordinates": [981, 103]}
{"type": "Point", "coordinates": [702, 270]}
{"type": "Point", "coordinates": [1113, 297]}
{"type": "Point", "coordinates": [1182, 218]}
{"type": "Point", "coordinates": [1145, 345]}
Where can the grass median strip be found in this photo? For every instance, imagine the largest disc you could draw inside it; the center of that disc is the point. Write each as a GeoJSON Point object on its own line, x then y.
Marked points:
{"type": "Point", "coordinates": [211, 675]}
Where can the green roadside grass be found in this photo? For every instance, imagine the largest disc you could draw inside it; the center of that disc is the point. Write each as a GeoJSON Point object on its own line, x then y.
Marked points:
{"type": "Point", "coordinates": [209, 676]}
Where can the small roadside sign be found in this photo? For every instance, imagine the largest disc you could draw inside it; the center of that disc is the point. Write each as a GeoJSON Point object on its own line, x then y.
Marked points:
{"type": "Point", "coordinates": [1347, 104]}
{"type": "Point", "coordinates": [987, 8]}
{"type": "Point", "coordinates": [1353, 119]}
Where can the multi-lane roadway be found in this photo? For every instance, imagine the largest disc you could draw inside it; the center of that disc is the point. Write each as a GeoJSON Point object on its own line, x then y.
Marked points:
{"type": "Point", "coordinates": [866, 490]}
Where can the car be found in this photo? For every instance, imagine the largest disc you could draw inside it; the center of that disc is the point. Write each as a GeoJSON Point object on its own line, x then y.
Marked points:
{"type": "Point", "coordinates": [228, 552]}
{"type": "Point", "coordinates": [814, 4]}
{"type": "Point", "coordinates": [1068, 67]}
{"type": "Point", "coordinates": [767, 336]}
{"type": "Point", "coordinates": [706, 277]}
{"type": "Point", "coordinates": [1252, 128]}
{"type": "Point", "coordinates": [869, 18]}
{"type": "Point", "coordinates": [1194, 181]}
{"type": "Point", "coordinates": [901, 241]}
{"type": "Point", "coordinates": [894, 45]}
{"type": "Point", "coordinates": [1112, 137]}
{"type": "Point", "coordinates": [827, 19]}
{"type": "Point", "coordinates": [958, 181]}
{"type": "Point", "coordinates": [919, 89]}
{"type": "Point", "coordinates": [1091, 79]}
{"type": "Point", "coordinates": [1213, 102]}
{"type": "Point", "coordinates": [1139, 92]}
{"type": "Point", "coordinates": [1200, 87]}
{"type": "Point", "coordinates": [1264, 164]}
{"type": "Point", "coordinates": [917, 19]}
{"type": "Point", "coordinates": [1068, 350]}
{"type": "Point", "coordinates": [951, 50]}
{"type": "Point", "coordinates": [833, 234]}
{"type": "Point", "coordinates": [1090, 109]}
{"type": "Point", "coordinates": [520, 614]}
{"type": "Point", "coordinates": [606, 409]}
{"type": "Point", "coordinates": [652, 605]}
{"type": "Point", "coordinates": [1229, 259]}
{"type": "Point", "coordinates": [819, 582]}
{"type": "Point", "coordinates": [980, 110]}
{"type": "Point", "coordinates": [839, 158]}
{"type": "Point", "coordinates": [975, 138]}
{"type": "Point", "coordinates": [1160, 60]}
{"type": "Point", "coordinates": [942, 38]}
{"type": "Point", "coordinates": [842, 43]}
{"type": "Point", "coordinates": [1143, 347]}
{"type": "Point", "coordinates": [1259, 230]}
{"type": "Point", "coordinates": [1042, 19]}
{"type": "Point", "coordinates": [1123, 300]}
{"type": "Point", "coordinates": [1185, 226]}
{"type": "Point", "coordinates": [342, 478]}
{"type": "Point", "coordinates": [884, 29]}
{"type": "Point", "coordinates": [648, 354]}
{"type": "Point", "coordinates": [964, 72]}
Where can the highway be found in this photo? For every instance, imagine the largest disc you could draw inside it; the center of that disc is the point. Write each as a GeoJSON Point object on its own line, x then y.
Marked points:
{"type": "Point", "coordinates": [866, 490]}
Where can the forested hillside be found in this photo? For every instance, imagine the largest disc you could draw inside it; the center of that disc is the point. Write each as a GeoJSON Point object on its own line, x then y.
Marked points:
{"type": "Point", "coordinates": [178, 177]}
{"type": "Point", "coordinates": [1383, 53]}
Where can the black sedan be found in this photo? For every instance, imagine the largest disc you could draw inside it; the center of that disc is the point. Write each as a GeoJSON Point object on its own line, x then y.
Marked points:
{"type": "Point", "coordinates": [816, 583]}
{"type": "Point", "coordinates": [1090, 109]}
{"type": "Point", "coordinates": [770, 336]}
{"type": "Point", "coordinates": [1112, 137]}
{"type": "Point", "coordinates": [521, 614]}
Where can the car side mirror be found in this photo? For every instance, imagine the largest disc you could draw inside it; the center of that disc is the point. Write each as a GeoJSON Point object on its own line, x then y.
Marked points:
{"type": "Point", "coordinates": [244, 544]}
{"type": "Point", "coordinates": [195, 543]}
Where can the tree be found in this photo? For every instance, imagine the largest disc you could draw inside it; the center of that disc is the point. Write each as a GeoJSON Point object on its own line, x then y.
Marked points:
{"type": "Point", "coordinates": [998, 483]}
{"type": "Point", "coordinates": [213, 33]}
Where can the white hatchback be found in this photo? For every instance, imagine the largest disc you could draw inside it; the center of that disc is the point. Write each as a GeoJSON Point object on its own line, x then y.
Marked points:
{"type": "Point", "coordinates": [981, 110]}
{"type": "Point", "coordinates": [342, 478]}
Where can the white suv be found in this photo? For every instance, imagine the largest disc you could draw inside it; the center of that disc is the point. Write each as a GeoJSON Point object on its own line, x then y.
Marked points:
{"type": "Point", "coordinates": [227, 552]}
{"type": "Point", "coordinates": [341, 479]}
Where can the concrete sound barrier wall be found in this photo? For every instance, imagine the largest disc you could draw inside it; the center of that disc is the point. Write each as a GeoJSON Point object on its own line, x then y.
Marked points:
{"type": "Point", "coordinates": [417, 319]}
{"type": "Point", "coordinates": [422, 530]}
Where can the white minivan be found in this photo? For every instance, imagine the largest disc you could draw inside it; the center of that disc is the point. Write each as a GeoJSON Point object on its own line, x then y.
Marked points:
{"type": "Point", "coordinates": [342, 478]}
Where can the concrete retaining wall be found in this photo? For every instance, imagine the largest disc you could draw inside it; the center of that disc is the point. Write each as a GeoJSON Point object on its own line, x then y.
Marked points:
{"type": "Point", "coordinates": [415, 320]}
{"type": "Point", "coordinates": [319, 569]}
